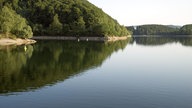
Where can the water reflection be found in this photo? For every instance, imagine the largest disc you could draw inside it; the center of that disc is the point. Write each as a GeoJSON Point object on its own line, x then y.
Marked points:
{"type": "Point", "coordinates": [47, 62]}
{"type": "Point", "coordinates": [151, 75]}
{"type": "Point", "coordinates": [30, 67]}
{"type": "Point", "coordinates": [186, 41]}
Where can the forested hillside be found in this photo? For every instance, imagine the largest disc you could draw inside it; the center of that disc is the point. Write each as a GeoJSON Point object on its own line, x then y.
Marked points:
{"type": "Point", "coordinates": [186, 30]}
{"type": "Point", "coordinates": [59, 17]}
{"type": "Point", "coordinates": [155, 29]}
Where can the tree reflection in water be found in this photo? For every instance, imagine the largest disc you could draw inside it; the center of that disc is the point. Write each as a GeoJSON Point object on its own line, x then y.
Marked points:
{"type": "Point", "coordinates": [48, 62]}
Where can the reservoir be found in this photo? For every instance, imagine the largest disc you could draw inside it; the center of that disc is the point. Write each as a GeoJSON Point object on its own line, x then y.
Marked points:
{"type": "Point", "coordinates": [141, 72]}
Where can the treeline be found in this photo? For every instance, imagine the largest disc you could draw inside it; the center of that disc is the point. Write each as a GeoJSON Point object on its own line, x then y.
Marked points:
{"type": "Point", "coordinates": [186, 30]}
{"type": "Point", "coordinates": [160, 30]}
{"type": "Point", "coordinates": [61, 17]}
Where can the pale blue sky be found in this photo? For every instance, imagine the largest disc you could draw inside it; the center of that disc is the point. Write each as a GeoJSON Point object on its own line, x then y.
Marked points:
{"type": "Point", "coordinates": [138, 12]}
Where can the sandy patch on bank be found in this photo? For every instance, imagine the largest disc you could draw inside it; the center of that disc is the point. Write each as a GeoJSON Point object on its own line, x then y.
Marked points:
{"type": "Point", "coordinates": [18, 41]}
{"type": "Point", "coordinates": [116, 38]}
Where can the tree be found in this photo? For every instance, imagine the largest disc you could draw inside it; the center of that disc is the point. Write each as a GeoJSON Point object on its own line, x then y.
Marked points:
{"type": "Point", "coordinates": [11, 22]}
{"type": "Point", "coordinates": [100, 30]}
{"type": "Point", "coordinates": [78, 27]}
{"type": "Point", "coordinates": [56, 26]}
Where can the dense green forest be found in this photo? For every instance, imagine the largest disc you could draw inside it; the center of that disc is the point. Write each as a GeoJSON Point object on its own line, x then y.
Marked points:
{"type": "Point", "coordinates": [12, 23]}
{"type": "Point", "coordinates": [56, 18]}
{"type": "Point", "coordinates": [186, 30]}
{"type": "Point", "coordinates": [155, 29]}
{"type": "Point", "coordinates": [46, 63]}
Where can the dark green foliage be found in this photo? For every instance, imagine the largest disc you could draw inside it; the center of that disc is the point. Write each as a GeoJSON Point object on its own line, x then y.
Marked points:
{"type": "Point", "coordinates": [161, 30]}
{"type": "Point", "coordinates": [55, 28]}
{"type": "Point", "coordinates": [153, 30]}
{"type": "Point", "coordinates": [131, 29]}
{"type": "Point", "coordinates": [11, 22]}
{"type": "Point", "coordinates": [66, 17]}
{"type": "Point", "coordinates": [186, 30]}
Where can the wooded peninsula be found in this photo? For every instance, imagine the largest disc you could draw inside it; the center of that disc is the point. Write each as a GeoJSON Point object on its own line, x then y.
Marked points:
{"type": "Point", "coordinates": [25, 18]}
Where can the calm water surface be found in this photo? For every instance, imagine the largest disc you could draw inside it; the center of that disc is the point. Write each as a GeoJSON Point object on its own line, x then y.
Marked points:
{"type": "Point", "coordinates": [137, 73]}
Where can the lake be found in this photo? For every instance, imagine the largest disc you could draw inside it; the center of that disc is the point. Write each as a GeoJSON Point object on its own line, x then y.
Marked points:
{"type": "Point", "coordinates": [149, 72]}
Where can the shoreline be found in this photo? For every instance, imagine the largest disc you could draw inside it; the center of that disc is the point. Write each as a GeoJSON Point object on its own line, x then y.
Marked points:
{"type": "Point", "coordinates": [115, 38]}
{"type": "Point", "coordinates": [17, 41]}
{"type": "Point", "coordinates": [86, 38]}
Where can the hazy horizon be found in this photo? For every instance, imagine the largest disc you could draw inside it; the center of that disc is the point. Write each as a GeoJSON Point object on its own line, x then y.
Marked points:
{"type": "Point", "coordinates": [138, 12]}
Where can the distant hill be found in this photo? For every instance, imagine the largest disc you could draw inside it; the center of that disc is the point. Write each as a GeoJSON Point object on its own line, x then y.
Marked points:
{"type": "Point", "coordinates": [155, 29]}
{"type": "Point", "coordinates": [61, 17]}
{"type": "Point", "coordinates": [186, 30]}
{"type": "Point", "coordinates": [152, 29]}
{"type": "Point", "coordinates": [174, 26]}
